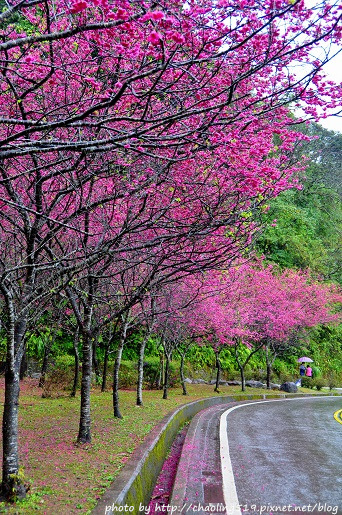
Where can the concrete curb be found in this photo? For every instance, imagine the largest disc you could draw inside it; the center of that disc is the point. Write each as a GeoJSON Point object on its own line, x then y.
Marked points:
{"type": "Point", "coordinates": [133, 487]}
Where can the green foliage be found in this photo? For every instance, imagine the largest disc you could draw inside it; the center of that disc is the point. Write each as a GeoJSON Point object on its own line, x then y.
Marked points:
{"type": "Point", "coordinates": [308, 234]}
{"type": "Point", "coordinates": [309, 222]}
{"type": "Point", "coordinates": [128, 375]}
{"type": "Point", "coordinates": [307, 382]}
{"type": "Point", "coordinates": [201, 356]}
{"type": "Point", "coordinates": [58, 382]}
{"type": "Point", "coordinates": [319, 383]}
{"type": "Point", "coordinates": [152, 371]}
{"type": "Point", "coordinates": [64, 361]}
{"type": "Point", "coordinates": [19, 21]}
{"type": "Point", "coordinates": [334, 379]}
{"type": "Point", "coordinates": [325, 348]}
{"type": "Point", "coordinates": [131, 348]}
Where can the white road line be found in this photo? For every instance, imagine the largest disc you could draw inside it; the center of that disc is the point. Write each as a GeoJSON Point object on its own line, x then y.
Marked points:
{"type": "Point", "coordinates": [228, 482]}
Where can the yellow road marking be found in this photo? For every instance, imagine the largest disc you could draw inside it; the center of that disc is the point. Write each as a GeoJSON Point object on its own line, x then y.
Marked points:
{"type": "Point", "coordinates": [338, 416]}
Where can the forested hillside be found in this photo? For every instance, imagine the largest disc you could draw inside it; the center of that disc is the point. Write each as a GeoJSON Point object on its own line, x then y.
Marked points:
{"type": "Point", "coordinates": [308, 233]}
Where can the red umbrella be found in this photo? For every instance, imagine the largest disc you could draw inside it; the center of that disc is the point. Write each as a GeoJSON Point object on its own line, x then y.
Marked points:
{"type": "Point", "coordinates": [305, 359]}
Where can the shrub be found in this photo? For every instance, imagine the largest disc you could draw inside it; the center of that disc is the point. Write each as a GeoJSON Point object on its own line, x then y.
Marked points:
{"type": "Point", "coordinates": [307, 382]}
{"type": "Point", "coordinates": [152, 372]}
{"type": "Point", "coordinates": [64, 361]}
{"type": "Point", "coordinates": [285, 377]}
{"type": "Point", "coordinates": [128, 374]}
{"type": "Point", "coordinates": [60, 377]}
{"type": "Point", "coordinates": [333, 379]}
{"type": "Point", "coordinates": [319, 383]}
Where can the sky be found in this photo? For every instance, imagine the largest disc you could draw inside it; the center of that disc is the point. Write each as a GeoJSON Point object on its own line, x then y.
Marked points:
{"type": "Point", "coordinates": [334, 71]}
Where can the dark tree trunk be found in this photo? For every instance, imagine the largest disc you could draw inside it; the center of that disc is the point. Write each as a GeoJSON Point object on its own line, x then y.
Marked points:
{"type": "Point", "coordinates": [105, 369]}
{"type": "Point", "coordinates": [268, 368]}
{"type": "Point", "coordinates": [268, 376]}
{"type": "Point", "coordinates": [218, 373]}
{"type": "Point", "coordinates": [12, 486]}
{"type": "Point", "coordinates": [166, 376]}
{"type": "Point", "coordinates": [182, 378]}
{"type": "Point", "coordinates": [84, 433]}
{"type": "Point", "coordinates": [77, 364]}
{"type": "Point", "coordinates": [242, 374]}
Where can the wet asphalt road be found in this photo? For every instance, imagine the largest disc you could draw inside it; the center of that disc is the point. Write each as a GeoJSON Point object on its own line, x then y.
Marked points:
{"type": "Point", "coordinates": [286, 453]}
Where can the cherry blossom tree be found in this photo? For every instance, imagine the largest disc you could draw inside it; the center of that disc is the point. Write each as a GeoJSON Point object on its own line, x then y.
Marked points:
{"type": "Point", "coordinates": [255, 306]}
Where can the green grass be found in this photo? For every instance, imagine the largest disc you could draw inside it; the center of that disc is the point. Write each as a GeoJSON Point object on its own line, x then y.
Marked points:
{"type": "Point", "coordinates": [66, 478]}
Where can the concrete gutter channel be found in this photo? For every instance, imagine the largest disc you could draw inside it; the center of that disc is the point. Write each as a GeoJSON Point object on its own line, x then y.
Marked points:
{"type": "Point", "coordinates": [132, 489]}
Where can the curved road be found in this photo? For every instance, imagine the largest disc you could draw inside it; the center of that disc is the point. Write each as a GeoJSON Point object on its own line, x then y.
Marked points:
{"type": "Point", "coordinates": [283, 456]}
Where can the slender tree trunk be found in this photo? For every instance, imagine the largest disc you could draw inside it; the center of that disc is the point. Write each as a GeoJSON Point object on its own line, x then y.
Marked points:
{"type": "Point", "coordinates": [105, 369]}
{"type": "Point", "coordinates": [243, 380]}
{"type": "Point", "coordinates": [218, 373]}
{"type": "Point", "coordinates": [270, 357]}
{"type": "Point", "coordinates": [161, 377]}
{"type": "Point", "coordinates": [182, 378]}
{"type": "Point", "coordinates": [77, 363]}
{"type": "Point", "coordinates": [268, 376]}
{"type": "Point", "coordinates": [141, 369]}
{"type": "Point", "coordinates": [84, 433]}
{"type": "Point", "coordinates": [166, 376]}
{"type": "Point", "coordinates": [116, 403]}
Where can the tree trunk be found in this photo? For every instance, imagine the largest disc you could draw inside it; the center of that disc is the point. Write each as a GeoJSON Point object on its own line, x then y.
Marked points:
{"type": "Point", "coordinates": [84, 433]}
{"type": "Point", "coordinates": [268, 376]}
{"type": "Point", "coordinates": [218, 374]}
{"type": "Point", "coordinates": [166, 376]}
{"type": "Point", "coordinates": [105, 369]}
{"type": "Point", "coordinates": [181, 370]}
{"type": "Point", "coordinates": [242, 374]}
{"type": "Point", "coordinates": [141, 369]}
{"type": "Point", "coordinates": [161, 375]}
{"type": "Point", "coordinates": [12, 486]}
{"type": "Point", "coordinates": [269, 363]}
{"type": "Point", "coordinates": [77, 364]}
{"type": "Point", "coordinates": [116, 403]}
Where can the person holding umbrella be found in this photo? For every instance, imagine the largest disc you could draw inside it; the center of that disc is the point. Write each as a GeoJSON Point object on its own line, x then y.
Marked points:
{"type": "Point", "coordinates": [303, 370]}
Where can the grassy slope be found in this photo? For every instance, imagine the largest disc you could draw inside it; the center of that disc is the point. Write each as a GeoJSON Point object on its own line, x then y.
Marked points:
{"type": "Point", "coordinates": [66, 478]}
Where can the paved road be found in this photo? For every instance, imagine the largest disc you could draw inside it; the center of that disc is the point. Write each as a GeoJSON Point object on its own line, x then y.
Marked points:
{"type": "Point", "coordinates": [285, 456]}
